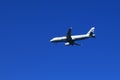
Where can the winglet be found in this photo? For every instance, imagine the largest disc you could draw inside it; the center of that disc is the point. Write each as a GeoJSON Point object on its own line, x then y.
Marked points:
{"type": "Point", "coordinates": [70, 28]}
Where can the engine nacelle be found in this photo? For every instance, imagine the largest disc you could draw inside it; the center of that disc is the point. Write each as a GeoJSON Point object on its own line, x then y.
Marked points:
{"type": "Point", "coordinates": [67, 43]}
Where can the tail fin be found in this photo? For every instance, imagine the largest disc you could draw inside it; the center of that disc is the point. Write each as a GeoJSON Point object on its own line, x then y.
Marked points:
{"type": "Point", "coordinates": [91, 32]}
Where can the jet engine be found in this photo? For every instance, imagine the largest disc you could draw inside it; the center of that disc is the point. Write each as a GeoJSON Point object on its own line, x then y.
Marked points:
{"type": "Point", "coordinates": [67, 43]}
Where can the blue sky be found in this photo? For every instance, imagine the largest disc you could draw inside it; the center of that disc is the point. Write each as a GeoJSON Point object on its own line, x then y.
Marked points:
{"type": "Point", "coordinates": [26, 26]}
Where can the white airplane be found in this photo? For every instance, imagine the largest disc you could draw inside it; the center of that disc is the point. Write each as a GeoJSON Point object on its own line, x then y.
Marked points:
{"type": "Point", "coordinates": [70, 39]}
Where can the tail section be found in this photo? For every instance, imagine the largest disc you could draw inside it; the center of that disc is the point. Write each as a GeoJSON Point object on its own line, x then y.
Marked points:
{"type": "Point", "coordinates": [91, 32]}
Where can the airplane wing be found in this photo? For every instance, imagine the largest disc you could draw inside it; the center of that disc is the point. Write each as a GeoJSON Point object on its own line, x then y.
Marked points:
{"type": "Point", "coordinates": [69, 34]}
{"type": "Point", "coordinates": [77, 44]}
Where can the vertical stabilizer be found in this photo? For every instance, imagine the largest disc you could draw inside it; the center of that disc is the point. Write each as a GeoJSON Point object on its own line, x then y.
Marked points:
{"type": "Point", "coordinates": [91, 32]}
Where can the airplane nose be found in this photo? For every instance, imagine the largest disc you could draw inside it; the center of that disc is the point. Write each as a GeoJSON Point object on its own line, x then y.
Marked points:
{"type": "Point", "coordinates": [51, 40]}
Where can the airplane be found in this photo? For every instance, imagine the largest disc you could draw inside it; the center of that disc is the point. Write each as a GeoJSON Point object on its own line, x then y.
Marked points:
{"type": "Point", "coordinates": [70, 39]}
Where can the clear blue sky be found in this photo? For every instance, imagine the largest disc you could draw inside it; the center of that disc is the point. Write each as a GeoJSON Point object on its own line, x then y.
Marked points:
{"type": "Point", "coordinates": [26, 26]}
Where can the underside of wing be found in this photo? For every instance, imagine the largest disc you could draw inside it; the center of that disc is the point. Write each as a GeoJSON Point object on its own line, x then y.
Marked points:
{"type": "Point", "coordinates": [69, 33]}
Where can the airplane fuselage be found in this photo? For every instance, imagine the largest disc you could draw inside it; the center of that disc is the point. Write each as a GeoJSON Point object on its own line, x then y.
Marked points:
{"type": "Point", "coordinates": [70, 39]}
{"type": "Point", "coordinates": [74, 38]}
